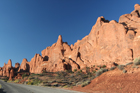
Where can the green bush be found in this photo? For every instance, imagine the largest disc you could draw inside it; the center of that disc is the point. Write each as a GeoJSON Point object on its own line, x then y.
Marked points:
{"type": "Point", "coordinates": [137, 61]}
{"type": "Point", "coordinates": [121, 67]}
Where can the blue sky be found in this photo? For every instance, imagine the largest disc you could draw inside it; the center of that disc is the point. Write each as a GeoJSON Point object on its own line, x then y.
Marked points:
{"type": "Point", "coordinates": [29, 26]}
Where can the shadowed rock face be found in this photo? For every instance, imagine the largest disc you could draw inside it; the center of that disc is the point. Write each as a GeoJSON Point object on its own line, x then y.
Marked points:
{"type": "Point", "coordinates": [108, 42]}
{"type": "Point", "coordinates": [17, 65]}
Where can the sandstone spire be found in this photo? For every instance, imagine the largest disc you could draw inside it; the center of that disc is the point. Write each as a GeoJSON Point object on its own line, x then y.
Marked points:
{"type": "Point", "coordinates": [59, 40]}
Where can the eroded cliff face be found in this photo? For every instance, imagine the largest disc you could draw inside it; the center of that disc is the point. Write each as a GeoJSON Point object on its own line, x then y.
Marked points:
{"type": "Point", "coordinates": [108, 42]}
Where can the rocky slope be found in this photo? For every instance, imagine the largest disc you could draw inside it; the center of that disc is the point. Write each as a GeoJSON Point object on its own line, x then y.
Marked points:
{"type": "Point", "coordinates": [108, 42]}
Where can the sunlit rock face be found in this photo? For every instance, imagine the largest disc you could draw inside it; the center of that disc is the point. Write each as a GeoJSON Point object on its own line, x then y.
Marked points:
{"type": "Point", "coordinates": [107, 42]}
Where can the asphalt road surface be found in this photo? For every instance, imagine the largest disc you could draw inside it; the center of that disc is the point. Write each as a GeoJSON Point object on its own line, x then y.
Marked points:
{"type": "Point", "coordinates": [20, 88]}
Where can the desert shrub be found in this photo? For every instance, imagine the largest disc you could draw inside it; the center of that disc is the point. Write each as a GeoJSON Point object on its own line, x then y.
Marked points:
{"type": "Point", "coordinates": [84, 76]}
{"type": "Point", "coordinates": [61, 74]}
{"type": "Point", "coordinates": [75, 70]}
{"type": "Point", "coordinates": [31, 78]}
{"type": "Point", "coordinates": [47, 84]}
{"type": "Point", "coordinates": [100, 71]}
{"type": "Point", "coordinates": [94, 71]}
{"type": "Point", "coordinates": [87, 67]}
{"type": "Point", "coordinates": [33, 74]}
{"type": "Point", "coordinates": [24, 75]}
{"type": "Point", "coordinates": [30, 83]}
{"type": "Point", "coordinates": [25, 82]}
{"type": "Point", "coordinates": [124, 71]}
{"type": "Point", "coordinates": [36, 81]}
{"type": "Point", "coordinates": [104, 66]}
{"type": "Point", "coordinates": [99, 66]}
{"type": "Point", "coordinates": [90, 74]}
{"type": "Point", "coordinates": [129, 63]}
{"type": "Point", "coordinates": [79, 83]}
{"type": "Point", "coordinates": [137, 61]}
{"type": "Point", "coordinates": [51, 81]}
{"type": "Point", "coordinates": [42, 74]}
{"type": "Point", "coordinates": [81, 71]}
{"type": "Point", "coordinates": [6, 79]}
{"type": "Point", "coordinates": [112, 68]}
{"type": "Point", "coordinates": [9, 81]}
{"type": "Point", "coordinates": [69, 71]}
{"type": "Point", "coordinates": [44, 71]}
{"type": "Point", "coordinates": [66, 86]}
{"type": "Point", "coordinates": [16, 81]}
{"type": "Point", "coordinates": [92, 77]}
{"type": "Point", "coordinates": [121, 67]}
{"type": "Point", "coordinates": [78, 73]}
{"type": "Point", "coordinates": [85, 83]}
{"type": "Point", "coordinates": [135, 66]}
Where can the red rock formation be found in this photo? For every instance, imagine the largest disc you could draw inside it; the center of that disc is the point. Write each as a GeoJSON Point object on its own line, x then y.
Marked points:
{"type": "Point", "coordinates": [24, 66]}
{"type": "Point", "coordinates": [11, 74]}
{"type": "Point", "coordinates": [6, 68]}
{"type": "Point", "coordinates": [1, 72]}
{"type": "Point", "coordinates": [35, 64]}
{"type": "Point", "coordinates": [17, 65]}
{"type": "Point", "coordinates": [108, 42]}
{"type": "Point", "coordinates": [58, 57]}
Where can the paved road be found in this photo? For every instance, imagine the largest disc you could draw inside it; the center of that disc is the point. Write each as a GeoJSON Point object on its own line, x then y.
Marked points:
{"type": "Point", "coordinates": [20, 88]}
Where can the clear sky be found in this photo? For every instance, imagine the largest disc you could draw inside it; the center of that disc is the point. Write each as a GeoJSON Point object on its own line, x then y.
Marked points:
{"type": "Point", "coordinates": [29, 26]}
